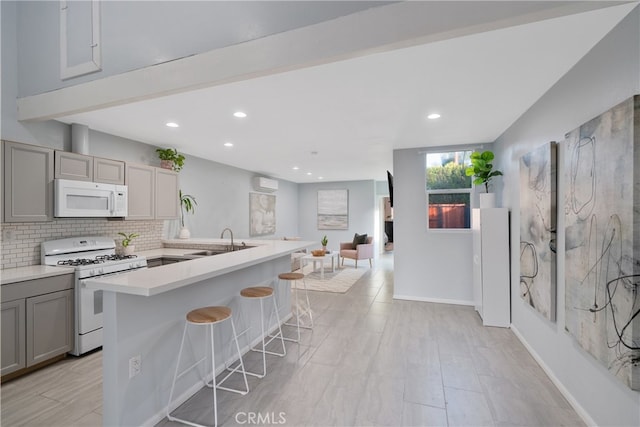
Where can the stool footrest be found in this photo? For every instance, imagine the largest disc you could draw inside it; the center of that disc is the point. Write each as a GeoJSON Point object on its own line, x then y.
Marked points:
{"type": "Point", "coordinates": [259, 350]}
{"type": "Point", "coordinates": [302, 326]}
{"type": "Point", "coordinates": [231, 372]}
{"type": "Point", "coordinates": [180, 420]}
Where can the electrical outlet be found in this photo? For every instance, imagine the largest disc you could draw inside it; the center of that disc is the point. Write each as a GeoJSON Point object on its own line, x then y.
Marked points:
{"type": "Point", "coordinates": [8, 235]}
{"type": "Point", "coordinates": [135, 363]}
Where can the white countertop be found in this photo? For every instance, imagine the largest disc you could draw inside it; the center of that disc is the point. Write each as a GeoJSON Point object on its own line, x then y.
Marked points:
{"type": "Point", "coordinates": [31, 272]}
{"type": "Point", "coordinates": [157, 280]}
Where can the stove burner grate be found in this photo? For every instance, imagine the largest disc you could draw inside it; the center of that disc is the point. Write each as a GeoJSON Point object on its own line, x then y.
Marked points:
{"type": "Point", "coordinates": [80, 261]}
{"type": "Point", "coordinates": [115, 257]}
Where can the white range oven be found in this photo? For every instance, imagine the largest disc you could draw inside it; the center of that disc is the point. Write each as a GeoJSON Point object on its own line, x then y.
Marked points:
{"type": "Point", "coordinates": [91, 257]}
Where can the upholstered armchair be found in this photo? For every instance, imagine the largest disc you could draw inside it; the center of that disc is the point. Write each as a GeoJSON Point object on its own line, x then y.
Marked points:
{"type": "Point", "coordinates": [362, 251]}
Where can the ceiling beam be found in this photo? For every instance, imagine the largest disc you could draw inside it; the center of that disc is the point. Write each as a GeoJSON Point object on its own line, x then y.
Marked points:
{"type": "Point", "coordinates": [374, 30]}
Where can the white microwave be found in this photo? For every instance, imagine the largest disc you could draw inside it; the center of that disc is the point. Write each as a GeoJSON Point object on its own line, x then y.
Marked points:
{"type": "Point", "coordinates": [89, 199]}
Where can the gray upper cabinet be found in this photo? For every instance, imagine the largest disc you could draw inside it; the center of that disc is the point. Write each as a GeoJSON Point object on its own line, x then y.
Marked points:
{"type": "Point", "coordinates": [81, 167]}
{"type": "Point", "coordinates": [140, 180]}
{"type": "Point", "coordinates": [167, 206]}
{"type": "Point", "coordinates": [153, 192]}
{"type": "Point", "coordinates": [28, 183]}
{"type": "Point", "coordinates": [108, 171]}
{"type": "Point", "coordinates": [78, 167]}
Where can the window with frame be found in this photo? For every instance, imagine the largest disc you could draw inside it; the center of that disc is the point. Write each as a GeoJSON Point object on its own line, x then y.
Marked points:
{"type": "Point", "coordinates": [448, 190]}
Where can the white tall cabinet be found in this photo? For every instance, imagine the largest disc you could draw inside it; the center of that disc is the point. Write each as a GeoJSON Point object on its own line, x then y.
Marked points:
{"type": "Point", "coordinates": [491, 290]}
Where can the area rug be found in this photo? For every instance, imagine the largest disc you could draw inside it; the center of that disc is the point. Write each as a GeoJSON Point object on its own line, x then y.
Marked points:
{"type": "Point", "coordinates": [339, 282]}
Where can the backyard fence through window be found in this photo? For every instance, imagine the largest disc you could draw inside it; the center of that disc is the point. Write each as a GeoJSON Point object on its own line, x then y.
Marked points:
{"type": "Point", "coordinates": [448, 190]}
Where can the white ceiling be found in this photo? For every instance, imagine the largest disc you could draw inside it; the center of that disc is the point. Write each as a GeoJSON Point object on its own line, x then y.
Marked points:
{"type": "Point", "coordinates": [342, 121]}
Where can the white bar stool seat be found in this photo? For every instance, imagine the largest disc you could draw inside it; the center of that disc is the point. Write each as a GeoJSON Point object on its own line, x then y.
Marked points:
{"type": "Point", "coordinates": [208, 316]}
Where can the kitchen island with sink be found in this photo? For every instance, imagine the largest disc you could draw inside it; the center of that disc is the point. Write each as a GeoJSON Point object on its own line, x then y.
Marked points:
{"type": "Point", "coordinates": [144, 314]}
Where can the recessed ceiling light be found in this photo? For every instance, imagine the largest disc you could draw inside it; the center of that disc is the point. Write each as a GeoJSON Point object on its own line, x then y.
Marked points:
{"type": "Point", "coordinates": [240, 114]}
{"type": "Point", "coordinates": [308, 173]}
{"type": "Point", "coordinates": [228, 144]}
{"type": "Point", "coordinates": [295, 168]}
{"type": "Point", "coordinates": [320, 177]}
{"type": "Point", "coordinates": [173, 125]}
{"type": "Point", "coordinates": [433, 116]}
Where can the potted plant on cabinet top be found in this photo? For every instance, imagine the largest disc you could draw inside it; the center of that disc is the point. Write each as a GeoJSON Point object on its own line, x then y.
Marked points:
{"type": "Point", "coordinates": [128, 248]}
{"type": "Point", "coordinates": [187, 204]}
{"type": "Point", "coordinates": [482, 168]}
{"type": "Point", "coordinates": [170, 159]}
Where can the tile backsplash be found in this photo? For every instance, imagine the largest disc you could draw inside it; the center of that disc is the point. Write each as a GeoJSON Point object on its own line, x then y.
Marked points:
{"type": "Point", "coordinates": [21, 241]}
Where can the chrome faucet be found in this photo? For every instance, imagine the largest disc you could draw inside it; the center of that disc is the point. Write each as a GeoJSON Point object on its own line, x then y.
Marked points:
{"type": "Point", "coordinates": [222, 236]}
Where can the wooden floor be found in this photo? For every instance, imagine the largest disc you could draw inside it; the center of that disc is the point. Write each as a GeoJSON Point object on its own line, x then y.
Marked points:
{"type": "Point", "coordinates": [369, 361]}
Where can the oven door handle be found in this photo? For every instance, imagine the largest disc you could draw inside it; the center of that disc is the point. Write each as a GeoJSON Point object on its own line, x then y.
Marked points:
{"type": "Point", "coordinates": [84, 285]}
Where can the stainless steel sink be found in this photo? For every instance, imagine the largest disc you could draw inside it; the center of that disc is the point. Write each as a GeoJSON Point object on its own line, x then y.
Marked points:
{"type": "Point", "coordinates": [208, 253]}
{"type": "Point", "coordinates": [217, 251]}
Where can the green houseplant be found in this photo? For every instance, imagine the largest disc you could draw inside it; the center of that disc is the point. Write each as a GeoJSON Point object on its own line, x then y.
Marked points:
{"type": "Point", "coordinates": [324, 242]}
{"type": "Point", "coordinates": [187, 205]}
{"type": "Point", "coordinates": [126, 242]}
{"type": "Point", "coordinates": [482, 168]}
{"type": "Point", "coordinates": [170, 158]}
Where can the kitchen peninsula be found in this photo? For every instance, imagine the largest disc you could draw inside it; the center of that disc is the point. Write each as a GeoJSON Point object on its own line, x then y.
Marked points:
{"type": "Point", "coordinates": [144, 314]}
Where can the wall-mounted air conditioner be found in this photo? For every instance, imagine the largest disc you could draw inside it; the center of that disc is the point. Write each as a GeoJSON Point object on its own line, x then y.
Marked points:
{"type": "Point", "coordinates": [265, 185]}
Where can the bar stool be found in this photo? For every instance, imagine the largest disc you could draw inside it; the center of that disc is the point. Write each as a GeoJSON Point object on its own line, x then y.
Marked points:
{"type": "Point", "coordinates": [292, 278]}
{"type": "Point", "coordinates": [208, 316]}
{"type": "Point", "coordinates": [261, 293]}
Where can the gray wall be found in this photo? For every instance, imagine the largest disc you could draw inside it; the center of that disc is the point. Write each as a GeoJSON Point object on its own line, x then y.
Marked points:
{"type": "Point", "coordinates": [363, 209]}
{"type": "Point", "coordinates": [430, 265]}
{"type": "Point", "coordinates": [607, 75]}
{"type": "Point", "coordinates": [222, 193]}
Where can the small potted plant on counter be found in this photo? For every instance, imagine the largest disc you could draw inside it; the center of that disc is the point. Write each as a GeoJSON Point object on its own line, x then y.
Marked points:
{"type": "Point", "coordinates": [128, 248]}
{"type": "Point", "coordinates": [482, 168]}
{"type": "Point", "coordinates": [170, 159]}
{"type": "Point", "coordinates": [187, 204]}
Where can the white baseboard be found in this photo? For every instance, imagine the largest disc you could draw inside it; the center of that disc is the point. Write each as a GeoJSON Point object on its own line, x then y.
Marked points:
{"type": "Point", "coordinates": [436, 300]}
{"type": "Point", "coordinates": [582, 413]}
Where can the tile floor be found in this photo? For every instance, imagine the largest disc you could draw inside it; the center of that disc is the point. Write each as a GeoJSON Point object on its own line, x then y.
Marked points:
{"type": "Point", "coordinates": [370, 361]}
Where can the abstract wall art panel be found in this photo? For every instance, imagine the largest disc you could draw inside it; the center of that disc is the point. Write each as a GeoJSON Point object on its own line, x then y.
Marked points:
{"type": "Point", "coordinates": [262, 214]}
{"type": "Point", "coordinates": [538, 229]}
{"type": "Point", "coordinates": [333, 209]}
{"type": "Point", "coordinates": [602, 249]}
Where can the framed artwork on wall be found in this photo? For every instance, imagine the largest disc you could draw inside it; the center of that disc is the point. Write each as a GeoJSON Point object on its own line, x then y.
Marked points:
{"type": "Point", "coordinates": [538, 229]}
{"type": "Point", "coordinates": [333, 209]}
{"type": "Point", "coordinates": [262, 214]}
{"type": "Point", "coordinates": [602, 239]}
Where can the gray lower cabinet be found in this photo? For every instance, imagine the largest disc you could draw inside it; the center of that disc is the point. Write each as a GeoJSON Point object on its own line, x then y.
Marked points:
{"type": "Point", "coordinates": [37, 321]}
{"type": "Point", "coordinates": [13, 336]}
{"type": "Point", "coordinates": [28, 183]}
{"type": "Point", "coordinates": [49, 326]}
